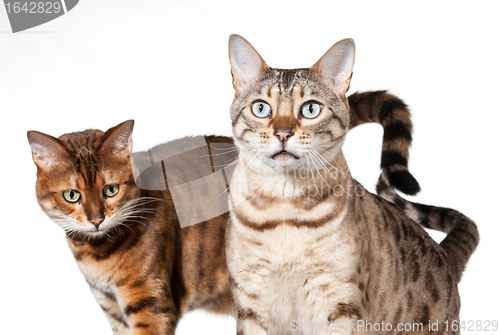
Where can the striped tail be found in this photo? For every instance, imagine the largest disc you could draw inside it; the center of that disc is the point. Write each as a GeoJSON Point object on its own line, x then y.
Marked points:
{"type": "Point", "coordinates": [462, 234]}
{"type": "Point", "coordinates": [393, 114]}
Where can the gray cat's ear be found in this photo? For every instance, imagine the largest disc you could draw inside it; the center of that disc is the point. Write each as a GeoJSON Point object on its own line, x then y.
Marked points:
{"type": "Point", "coordinates": [246, 63]}
{"type": "Point", "coordinates": [335, 67]}
{"type": "Point", "coordinates": [118, 140]}
{"type": "Point", "coordinates": [47, 151]}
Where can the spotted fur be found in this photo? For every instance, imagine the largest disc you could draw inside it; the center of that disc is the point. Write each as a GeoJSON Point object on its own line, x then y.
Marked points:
{"type": "Point", "coordinates": [462, 235]}
{"type": "Point", "coordinates": [306, 244]}
{"type": "Point", "coordinates": [149, 291]}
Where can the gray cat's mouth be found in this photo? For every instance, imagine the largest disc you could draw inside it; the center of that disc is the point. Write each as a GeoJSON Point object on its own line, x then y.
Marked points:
{"type": "Point", "coordinates": [284, 155]}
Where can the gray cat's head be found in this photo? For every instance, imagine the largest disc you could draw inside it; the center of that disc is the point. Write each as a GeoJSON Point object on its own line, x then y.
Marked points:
{"type": "Point", "coordinates": [283, 118]}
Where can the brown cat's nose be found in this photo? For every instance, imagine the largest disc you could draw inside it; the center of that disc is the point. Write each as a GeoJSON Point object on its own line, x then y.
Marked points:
{"type": "Point", "coordinates": [283, 135]}
{"type": "Point", "coordinates": [97, 222]}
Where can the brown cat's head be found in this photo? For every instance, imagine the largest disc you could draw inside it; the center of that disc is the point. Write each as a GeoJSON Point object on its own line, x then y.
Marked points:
{"type": "Point", "coordinates": [286, 118]}
{"type": "Point", "coordinates": [84, 179]}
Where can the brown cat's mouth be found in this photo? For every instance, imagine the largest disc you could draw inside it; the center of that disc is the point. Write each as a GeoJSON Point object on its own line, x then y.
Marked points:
{"type": "Point", "coordinates": [284, 155]}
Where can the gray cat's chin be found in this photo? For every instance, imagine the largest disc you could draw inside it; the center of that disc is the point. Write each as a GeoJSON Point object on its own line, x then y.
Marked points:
{"type": "Point", "coordinates": [284, 156]}
{"type": "Point", "coordinates": [283, 163]}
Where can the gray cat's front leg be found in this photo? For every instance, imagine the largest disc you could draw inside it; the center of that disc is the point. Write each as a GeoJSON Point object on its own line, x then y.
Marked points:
{"type": "Point", "coordinates": [345, 320]}
{"type": "Point", "coordinates": [249, 325]}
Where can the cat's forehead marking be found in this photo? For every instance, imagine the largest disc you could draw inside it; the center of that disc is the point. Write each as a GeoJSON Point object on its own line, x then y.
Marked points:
{"type": "Point", "coordinates": [86, 164]}
{"type": "Point", "coordinates": [291, 84]}
{"type": "Point", "coordinates": [284, 87]}
{"type": "Point", "coordinates": [286, 80]}
{"type": "Point", "coordinates": [298, 92]}
{"type": "Point", "coordinates": [84, 146]}
{"type": "Point", "coordinates": [89, 139]}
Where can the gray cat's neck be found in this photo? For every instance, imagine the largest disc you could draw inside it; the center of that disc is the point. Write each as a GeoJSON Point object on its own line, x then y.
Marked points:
{"type": "Point", "coordinates": [314, 178]}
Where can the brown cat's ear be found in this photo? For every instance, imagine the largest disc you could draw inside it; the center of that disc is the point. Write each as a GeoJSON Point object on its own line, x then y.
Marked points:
{"type": "Point", "coordinates": [118, 140]}
{"type": "Point", "coordinates": [335, 67]}
{"type": "Point", "coordinates": [47, 151]}
{"type": "Point", "coordinates": [246, 63]}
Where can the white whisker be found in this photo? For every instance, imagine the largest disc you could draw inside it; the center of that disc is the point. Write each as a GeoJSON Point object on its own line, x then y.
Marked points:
{"type": "Point", "coordinates": [324, 159]}
{"type": "Point", "coordinates": [312, 174]}
{"type": "Point", "coordinates": [236, 179]}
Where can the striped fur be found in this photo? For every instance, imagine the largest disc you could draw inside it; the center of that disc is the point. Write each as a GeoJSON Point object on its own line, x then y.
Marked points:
{"type": "Point", "coordinates": [143, 269]}
{"type": "Point", "coordinates": [306, 244]}
{"type": "Point", "coordinates": [187, 269]}
{"type": "Point", "coordinates": [462, 235]}
{"type": "Point", "coordinates": [393, 114]}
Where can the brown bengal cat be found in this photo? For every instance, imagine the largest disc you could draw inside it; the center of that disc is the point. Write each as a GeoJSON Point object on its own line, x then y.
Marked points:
{"type": "Point", "coordinates": [308, 249]}
{"type": "Point", "coordinates": [143, 269]}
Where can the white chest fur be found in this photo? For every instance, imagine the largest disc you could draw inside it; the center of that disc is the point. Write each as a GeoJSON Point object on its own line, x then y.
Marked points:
{"type": "Point", "coordinates": [95, 276]}
{"type": "Point", "coordinates": [290, 274]}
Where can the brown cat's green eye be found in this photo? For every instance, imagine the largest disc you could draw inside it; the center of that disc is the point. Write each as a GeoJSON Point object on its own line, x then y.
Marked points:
{"type": "Point", "coordinates": [110, 190]}
{"type": "Point", "coordinates": [71, 195]}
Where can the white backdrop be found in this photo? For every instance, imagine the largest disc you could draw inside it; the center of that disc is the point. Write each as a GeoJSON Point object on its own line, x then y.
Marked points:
{"type": "Point", "coordinates": [164, 64]}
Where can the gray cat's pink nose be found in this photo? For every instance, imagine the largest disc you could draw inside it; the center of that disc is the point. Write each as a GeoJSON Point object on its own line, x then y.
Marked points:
{"type": "Point", "coordinates": [97, 221]}
{"type": "Point", "coordinates": [283, 135]}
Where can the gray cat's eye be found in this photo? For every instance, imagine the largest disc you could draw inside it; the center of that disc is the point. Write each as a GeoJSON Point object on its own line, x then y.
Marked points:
{"type": "Point", "coordinates": [71, 195]}
{"type": "Point", "coordinates": [310, 110]}
{"type": "Point", "coordinates": [261, 109]}
{"type": "Point", "coordinates": [110, 190]}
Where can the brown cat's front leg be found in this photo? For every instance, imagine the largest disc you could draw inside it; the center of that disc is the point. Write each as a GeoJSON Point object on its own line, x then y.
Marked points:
{"type": "Point", "coordinates": [148, 313]}
{"type": "Point", "coordinates": [109, 305]}
{"type": "Point", "coordinates": [118, 328]}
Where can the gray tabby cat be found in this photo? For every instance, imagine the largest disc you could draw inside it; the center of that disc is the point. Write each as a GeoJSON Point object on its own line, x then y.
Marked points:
{"type": "Point", "coordinates": [308, 248]}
